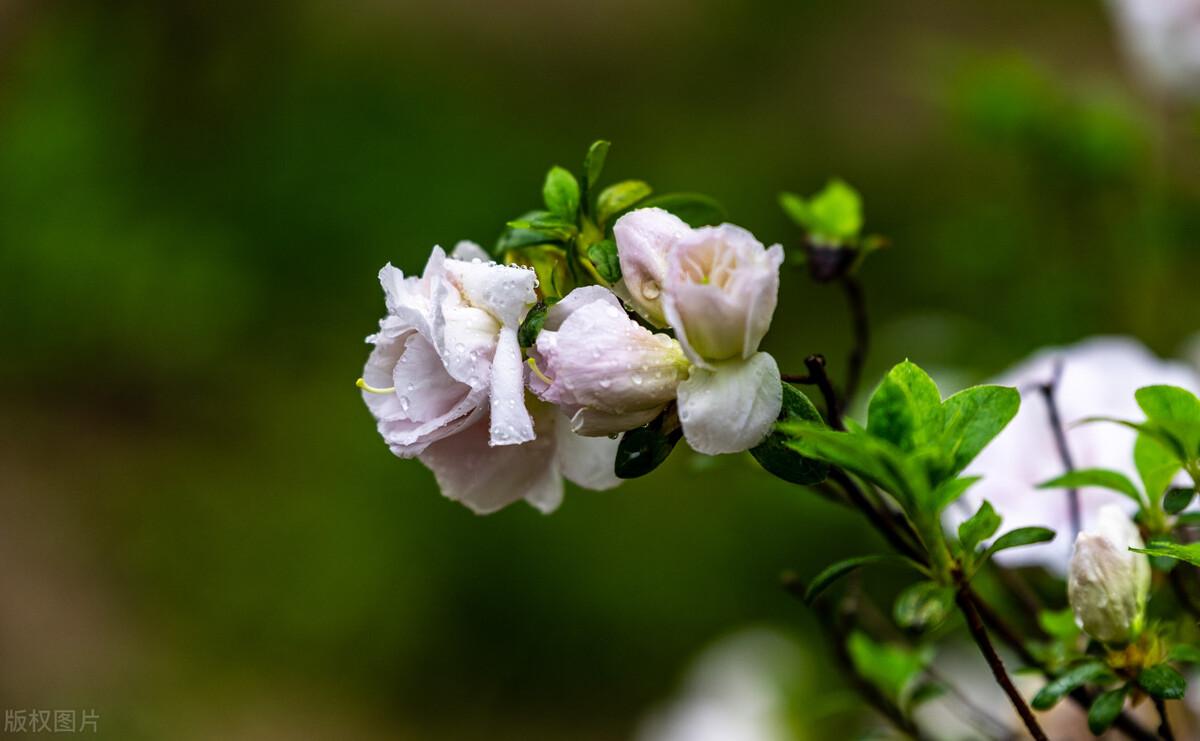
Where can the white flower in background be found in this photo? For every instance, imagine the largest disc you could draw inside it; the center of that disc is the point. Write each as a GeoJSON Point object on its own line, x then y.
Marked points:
{"type": "Point", "coordinates": [1099, 378]}
{"type": "Point", "coordinates": [446, 374]}
{"type": "Point", "coordinates": [1162, 40]}
{"type": "Point", "coordinates": [716, 287]}
{"type": "Point", "coordinates": [604, 370]}
{"type": "Point", "coordinates": [1108, 584]}
{"type": "Point", "coordinates": [737, 690]}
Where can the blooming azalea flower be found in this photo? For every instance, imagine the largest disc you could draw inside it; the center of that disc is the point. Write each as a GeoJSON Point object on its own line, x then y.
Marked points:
{"type": "Point", "coordinates": [716, 287]}
{"type": "Point", "coordinates": [1162, 40]}
{"type": "Point", "coordinates": [1098, 378]}
{"type": "Point", "coordinates": [445, 382]}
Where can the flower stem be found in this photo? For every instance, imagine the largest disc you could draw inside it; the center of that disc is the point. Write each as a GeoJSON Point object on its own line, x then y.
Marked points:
{"type": "Point", "coordinates": [966, 603]}
{"type": "Point", "coordinates": [1164, 726]}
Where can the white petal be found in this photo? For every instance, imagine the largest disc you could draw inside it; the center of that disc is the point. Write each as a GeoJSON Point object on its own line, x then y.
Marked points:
{"type": "Point", "coordinates": [486, 478]}
{"type": "Point", "coordinates": [511, 423]}
{"type": "Point", "coordinates": [504, 291]}
{"type": "Point", "coordinates": [644, 237]}
{"type": "Point", "coordinates": [577, 299]}
{"type": "Point", "coordinates": [424, 390]}
{"type": "Point", "coordinates": [591, 422]}
{"type": "Point", "coordinates": [732, 407]}
{"type": "Point", "coordinates": [586, 461]}
{"type": "Point", "coordinates": [468, 251]}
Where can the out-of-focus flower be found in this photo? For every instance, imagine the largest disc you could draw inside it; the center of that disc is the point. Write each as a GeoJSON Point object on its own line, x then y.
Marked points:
{"type": "Point", "coordinates": [445, 382]}
{"type": "Point", "coordinates": [1162, 40]}
{"type": "Point", "coordinates": [736, 691]}
{"type": "Point", "coordinates": [604, 370]}
{"type": "Point", "coordinates": [1108, 584]}
{"type": "Point", "coordinates": [1098, 378]}
{"type": "Point", "coordinates": [717, 288]}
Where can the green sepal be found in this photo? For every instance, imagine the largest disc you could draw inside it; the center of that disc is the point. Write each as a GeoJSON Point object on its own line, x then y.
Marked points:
{"type": "Point", "coordinates": [603, 255]}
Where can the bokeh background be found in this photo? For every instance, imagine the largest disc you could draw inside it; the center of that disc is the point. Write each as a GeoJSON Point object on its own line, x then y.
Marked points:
{"type": "Point", "coordinates": [202, 536]}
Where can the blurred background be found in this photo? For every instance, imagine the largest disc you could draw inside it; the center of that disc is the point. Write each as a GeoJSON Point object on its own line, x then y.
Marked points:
{"type": "Point", "coordinates": [202, 535]}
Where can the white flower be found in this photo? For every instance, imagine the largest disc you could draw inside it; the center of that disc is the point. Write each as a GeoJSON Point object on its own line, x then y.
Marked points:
{"type": "Point", "coordinates": [1108, 584]}
{"type": "Point", "coordinates": [1162, 39]}
{"type": "Point", "coordinates": [447, 351]}
{"type": "Point", "coordinates": [719, 287]}
{"type": "Point", "coordinates": [604, 370]}
{"type": "Point", "coordinates": [1099, 378]}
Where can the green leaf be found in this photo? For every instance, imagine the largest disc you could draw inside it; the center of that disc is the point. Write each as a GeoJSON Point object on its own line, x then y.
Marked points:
{"type": "Point", "coordinates": [951, 489]}
{"type": "Point", "coordinates": [832, 217]}
{"type": "Point", "coordinates": [893, 668]}
{"type": "Point", "coordinates": [1189, 553]}
{"type": "Point", "coordinates": [1163, 682]}
{"type": "Point", "coordinates": [777, 457]}
{"type": "Point", "coordinates": [1068, 681]}
{"type": "Point", "coordinates": [1156, 464]}
{"type": "Point", "coordinates": [1177, 500]}
{"type": "Point", "coordinates": [1175, 410]}
{"type": "Point", "coordinates": [1022, 536]}
{"type": "Point", "coordinates": [618, 197]}
{"type": "Point", "coordinates": [923, 605]}
{"type": "Point", "coordinates": [972, 419]}
{"type": "Point", "coordinates": [858, 452]}
{"type": "Point", "coordinates": [644, 448]}
{"type": "Point", "coordinates": [1098, 477]}
{"type": "Point", "coordinates": [549, 261]}
{"type": "Point", "coordinates": [797, 210]}
{"type": "Point", "coordinates": [906, 408]}
{"type": "Point", "coordinates": [561, 193]}
{"type": "Point", "coordinates": [695, 209]}
{"type": "Point", "coordinates": [1185, 653]}
{"type": "Point", "coordinates": [832, 573]}
{"type": "Point", "coordinates": [979, 527]}
{"type": "Point", "coordinates": [1059, 624]}
{"type": "Point", "coordinates": [532, 325]}
{"type": "Point", "coordinates": [603, 255]}
{"type": "Point", "coordinates": [593, 163]}
{"type": "Point", "coordinates": [1105, 709]}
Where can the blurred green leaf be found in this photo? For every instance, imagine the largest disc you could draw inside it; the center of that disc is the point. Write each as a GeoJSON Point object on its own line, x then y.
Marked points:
{"type": "Point", "coordinates": [1155, 463]}
{"type": "Point", "coordinates": [1105, 709]}
{"type": "Point", "coordinates": [777, 457]}
{"type": "Point", "coordinates": [619, 197]}
{"type": "Point", "coordinates": [923, 605]}
{"type": "Point", "coordinates": [1017, 538]}
{"type": "Point", "coordinates": [832, 217]}
{"type": "Point", "coordinates": [644, 449]}
{"type": "Point", "coordinates": [1097, 477]}
{"type": "Point", "coordinates": [1184, 653]}
{"type": "Point", "coordinates": [1177, 500]}
{"type": "Point", "coordinates": [561, 194]}
{"type": "Point", "coordinates": [693, 208]}
{"type": "Point", "coordinates": [1048, 697]}
{"type": "Point", "coordinates": [603, 255]}
{"type": "Point", "coordinates": [950, 490]}
{"type": "Point", "coordinates": [892, 668]}
{"type": "Point", "coordinates": [532, 325]}
{"type": "Point", "coordinates": [979, 527]}
{"type": "Point", "coordinates": [1189, 553]}
{"type": "Point", "coordinates": [1163, 682]}
{"type": "Point", "coordinates": [1059, 624]}
{"type": "Point", "coordinates": [593, 164]}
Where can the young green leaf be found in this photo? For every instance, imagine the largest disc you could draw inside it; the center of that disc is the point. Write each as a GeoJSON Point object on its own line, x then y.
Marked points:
{"type": "Point", "coordinates": [593, 163]}
{"type": "Point", "coordinates": [832, 217]}
{"type": "Point", "coordinates": [532, 325]}
{"type": "Point", "coordinates": [979, 527]}
{"type": "Point", "coordinates": [906, 408]}
{"type": "Point", "coordinates": [695, 209]}
{"type": "Point", "coordinates": [1048, 697]}
{"type": "Point", "coordinates": [1163, 682]}
{"type": "Point", "coordinates": [972, 419]}
{"type": "Point", "coordinates": [1177, 500]}
{"type": "Point", "coordinates": [561, 193]}
{"type": "Point", "coordinates": [1105, 709]}
{"type": "Point", "coordinates": [619, 197]}
{"type": "Point", "coordinates": [1059, 624]}
{"type": "Point", "coordinates": [1022, 536]}
{"type": "Point", "coordinates": [950, 490]}
{"type": "Point", "coordinates": [1098, 477]}
{"type": "Point", "coordinates": [923, 605]}
{"type": "Point", "coordinates": [858, 452]}
{"type": "Point", "coordinates": [892, 668]}
{"type": "Point", "coordinates": [777, 457]}
{"type": "Point", "coordinates": [832, 573]}
{"type": "Point", "coordinates": [797, 209]}
{"type": "Point", "coordinates": [603, 255]}
{"type": "Point", "coordinates": [1156, 464]}
{"type": "Point", "coordinates": [1189, 553]}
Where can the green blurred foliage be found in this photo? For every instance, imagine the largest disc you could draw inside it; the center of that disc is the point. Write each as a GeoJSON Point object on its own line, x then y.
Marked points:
{"type": "Point", "coordinates": [195, 198]}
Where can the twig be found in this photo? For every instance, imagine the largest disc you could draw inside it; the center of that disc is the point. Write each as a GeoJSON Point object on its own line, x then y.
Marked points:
{"type": "Point", "coordinates": [966, 603]}
{"type": "Point", "coordinates": [818, 377]}
{"type": "Point", "coordinates": [862, 336]}
{"type": "Point", "coordinates": [1164, 725]}
{"type": "Point", "coordinates": [1049, 392]}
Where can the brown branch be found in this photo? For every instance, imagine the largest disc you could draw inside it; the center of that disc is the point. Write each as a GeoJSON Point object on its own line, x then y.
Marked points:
{"type": "Point", "coordinates": [1164, 725]}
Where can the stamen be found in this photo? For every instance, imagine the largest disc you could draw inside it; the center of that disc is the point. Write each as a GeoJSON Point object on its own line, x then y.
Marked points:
{"type": "Point", "coordinates": [372, 390]}
{"type": "Point", "coordinates": [537, 372]}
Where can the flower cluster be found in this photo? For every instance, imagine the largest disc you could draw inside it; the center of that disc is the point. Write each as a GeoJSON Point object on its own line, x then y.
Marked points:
{"type": "Point", "coordinates": [679, 334]}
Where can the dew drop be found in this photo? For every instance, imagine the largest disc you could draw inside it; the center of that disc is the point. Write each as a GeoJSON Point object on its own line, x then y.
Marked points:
{"type": "Point", "coordinates": [650, 290]}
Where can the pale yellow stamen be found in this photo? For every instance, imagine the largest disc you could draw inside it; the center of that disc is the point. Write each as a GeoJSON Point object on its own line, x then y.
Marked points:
{"type": "Point", "coordinates": [372, 390]}
{"type": "Point", "coordinates": [537, 372]}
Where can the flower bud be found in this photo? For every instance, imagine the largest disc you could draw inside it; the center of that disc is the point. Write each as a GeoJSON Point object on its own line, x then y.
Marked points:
{"type": "Point", "coordinates": [644, 237]}
{"type": "Point", "coordinates": [1107, 583]}
{"type": "Point", "coordinates": [607, 372]}
{"type": "Point", "coordinates": [720, 292]}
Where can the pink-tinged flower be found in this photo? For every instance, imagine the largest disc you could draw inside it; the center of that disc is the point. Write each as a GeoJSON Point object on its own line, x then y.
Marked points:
{"type": "Point", "coordinates": [720, 292]}
{"type": "Point", "coordinates": [446, 354]}
{"type": "Point", "coordinates": [486, 477]}
{"type": "Point", "coordinates": [1099, 378]}
{"type": "Point", "coordinates": [604, 370]}
{"type": "Point", "coordinates": [643, 239]}
{"type": "Point", "coordinates": [1108, 584]}
{"type": "Point", "coordinates": [717, 288]}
